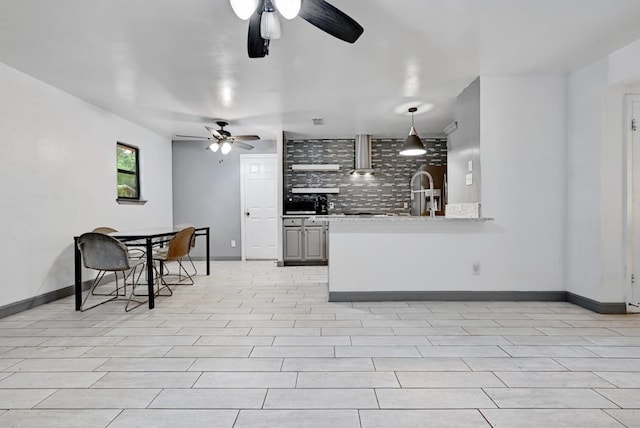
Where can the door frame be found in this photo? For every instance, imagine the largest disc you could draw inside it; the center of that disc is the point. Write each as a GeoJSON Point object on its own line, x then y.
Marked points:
{"type": "Point", "coordinates": [629, 100]}
{"type": "Point", "coordinates": [243, 157]}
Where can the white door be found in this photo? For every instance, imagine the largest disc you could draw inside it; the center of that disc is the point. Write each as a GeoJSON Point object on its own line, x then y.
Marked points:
{"type": "Point", "coordinates": [633, 141]}
{"type": "Point", "coordinates": [259, 206]}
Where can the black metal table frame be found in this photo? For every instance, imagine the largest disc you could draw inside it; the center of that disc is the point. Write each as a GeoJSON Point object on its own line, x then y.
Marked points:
{"type": "Point", "coordinates": [149, 241]}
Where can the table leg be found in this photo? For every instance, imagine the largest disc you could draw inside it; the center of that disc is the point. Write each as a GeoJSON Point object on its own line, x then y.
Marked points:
{"type": "Point", "coordinates": [208, 259]}
{"type": "Point", "coordinates": [78, 273]}
{"type": "Point", "coordinates": [150, 274]}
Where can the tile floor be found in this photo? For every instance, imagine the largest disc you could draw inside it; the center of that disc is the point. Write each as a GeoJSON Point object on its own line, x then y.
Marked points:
{"type": "Point", "coordinates": [254, 345]}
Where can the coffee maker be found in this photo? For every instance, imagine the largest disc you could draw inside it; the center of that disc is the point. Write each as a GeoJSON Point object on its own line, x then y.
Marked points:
{"type": "Point", "coordinates": [322, 205]}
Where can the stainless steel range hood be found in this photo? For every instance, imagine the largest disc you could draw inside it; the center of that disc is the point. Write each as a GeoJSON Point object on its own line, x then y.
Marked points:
{"type": "Point", "coordinates": [362, 155]}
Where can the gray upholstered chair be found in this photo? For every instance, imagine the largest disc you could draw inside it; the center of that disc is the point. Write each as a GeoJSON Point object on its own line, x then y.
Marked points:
{"type": "Point", "coordinates": [106, 254]}
{"type": "Point", "coordinates": [136, 249]}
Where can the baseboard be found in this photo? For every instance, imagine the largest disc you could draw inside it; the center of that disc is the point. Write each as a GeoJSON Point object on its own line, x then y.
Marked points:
{"type": "Point", "coordinates": [305, 263]}
{"type": "Point", "coordinates": [479, 296]}
{"type": "Point", "coordinates": [23, 305]}
{"type": "Point", "coordinates": [43, 299]}
{"type": "Point", "coordinates": [439, 296]}
{"type": "Point", "coordinates": [218, 259]}
{"type": "Point", "coordinates": [595, 306]}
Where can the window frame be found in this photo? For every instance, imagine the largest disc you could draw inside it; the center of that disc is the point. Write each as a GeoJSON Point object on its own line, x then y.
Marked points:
{"type": "Point", "coordinates": [136, 174]}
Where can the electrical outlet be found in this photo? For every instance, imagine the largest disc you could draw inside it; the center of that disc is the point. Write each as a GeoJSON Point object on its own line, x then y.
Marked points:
{"type": "Point", "coordinates": [331, 205]}
{"type": "Point", "coordinates": [406, 205]}
{"type": "Point", "coordinates": [475, 268]}
{"type": "Point", "coordinates": [233, 242]}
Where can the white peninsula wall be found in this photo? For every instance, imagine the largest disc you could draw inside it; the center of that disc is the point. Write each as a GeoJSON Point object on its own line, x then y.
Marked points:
{"type": "Point", "coordinates": [519, 253]}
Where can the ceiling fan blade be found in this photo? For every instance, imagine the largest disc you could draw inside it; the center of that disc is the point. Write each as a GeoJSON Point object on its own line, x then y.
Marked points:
{"type": "Point", "coordinates": [215, 133]}
{"type": "Point", "coordinates": [330, 20]}
{"type": "Point", "coordinates": [192, 137]}
{"type": "Point", "coordinates": [245, 137]}
{"type": "Point", "coordinates": [242, 145]}
{"type": "Point", "coordinates": [191, 141]}
{"type": "Point", "coordinates": [257, 47]}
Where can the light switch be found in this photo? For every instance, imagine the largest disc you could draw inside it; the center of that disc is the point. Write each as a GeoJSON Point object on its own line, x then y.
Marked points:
{"type": "Point", "coordinates": [469, 179]}
{"type": "Point", "coordinates": [470, 166]}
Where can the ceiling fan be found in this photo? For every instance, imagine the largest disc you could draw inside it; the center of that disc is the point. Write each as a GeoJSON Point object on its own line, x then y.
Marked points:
{"type": "Point", "coordinates": [264, 24]}
{"type": "Point", "coordinates": [223, 139]}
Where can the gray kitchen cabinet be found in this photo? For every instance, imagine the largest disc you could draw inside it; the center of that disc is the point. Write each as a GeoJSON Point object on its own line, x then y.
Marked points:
{"type": "Point", "coordinates": [293, 243]}
{"type": "Point", "coordinates": [314, 243]}
{"type": "Point", "coordinates": [305, 241]}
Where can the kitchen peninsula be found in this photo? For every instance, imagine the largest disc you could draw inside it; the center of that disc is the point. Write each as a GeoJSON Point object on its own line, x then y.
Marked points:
{"type": "Point", "coordinates": [417, 258]}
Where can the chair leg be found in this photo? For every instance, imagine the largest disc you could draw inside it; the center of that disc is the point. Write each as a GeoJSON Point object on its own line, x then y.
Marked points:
{"type": "Point", "coordinates": [91, 292]}
{"type": "Point", "coordinates": [189, 276]}
{"type": "Point", "coordinates": [100, 277]}
{"type": "Point", "coordinates": [160, 279]}
{"type": "Point", "coordinates": [133, 290]}
{"type": "Point", "coordinates": [195, 271]}
{"type": "Point", "coordinates": [181, 281]}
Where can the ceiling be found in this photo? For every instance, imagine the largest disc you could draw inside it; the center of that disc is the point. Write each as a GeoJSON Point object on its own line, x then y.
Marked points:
{"type": "Point", "coordinates": [173, 66]}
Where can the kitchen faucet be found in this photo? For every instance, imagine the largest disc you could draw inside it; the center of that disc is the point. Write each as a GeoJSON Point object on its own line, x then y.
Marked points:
{"type": "Point", "coordinates": [432, 211]}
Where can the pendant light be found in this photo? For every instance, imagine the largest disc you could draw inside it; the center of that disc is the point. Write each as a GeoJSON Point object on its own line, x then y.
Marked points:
{"type": "Point", "coordinates": [413, 145]}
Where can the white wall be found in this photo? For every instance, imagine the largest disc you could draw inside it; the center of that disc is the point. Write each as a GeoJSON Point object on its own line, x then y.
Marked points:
{"type": "Point", "coordinates": [523, 139]}
{"type": "Point", "coordinates": [596, 175]}
{"type": "Point", "coordinates": [463, 145]}
{"type": "Point", "coordinates": [58, 180]}
{"type": "Point", "coordinates": [584, 179]}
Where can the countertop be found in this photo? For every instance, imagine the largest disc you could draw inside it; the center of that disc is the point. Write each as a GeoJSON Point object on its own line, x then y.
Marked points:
{"type": "Point", "coordinates": [393, 218]}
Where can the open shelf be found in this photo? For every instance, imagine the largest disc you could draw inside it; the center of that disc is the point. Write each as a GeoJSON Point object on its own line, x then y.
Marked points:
{"type": "Point", "coordinates": [315, 190]}
{"type": "Point", "coordinates": [315, 167]}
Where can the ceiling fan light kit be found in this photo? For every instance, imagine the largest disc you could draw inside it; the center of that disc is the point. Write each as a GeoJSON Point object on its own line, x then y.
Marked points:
{"type": "Point", "coordinates": [289, 9]}
{"type": "Point", "coordinates": [413, 144]}
{"type": "Point", "coordinates": [244, 8]}
{"type": "Point", "coordinates": [265, 26]}
{"type": "Point", "coordinates": [225, 148]}
{"type": "Point", "coordinates": [270, 26]}
{"type": "Point", "coordinates": [214, 146]}
{"type": "Point", "coordinates": [224, 141]}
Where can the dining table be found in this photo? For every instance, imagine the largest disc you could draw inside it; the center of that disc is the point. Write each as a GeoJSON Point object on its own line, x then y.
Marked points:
{"type": "Point", "coordinates": [146, 238]}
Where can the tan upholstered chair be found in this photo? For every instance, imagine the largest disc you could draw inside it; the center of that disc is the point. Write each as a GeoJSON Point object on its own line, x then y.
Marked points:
{"type": "Point", "coordinates": [177, 250]}
{"type": "Point", "coordinates": [105, 229]}
{"type": "Point", "coordinates": [182, 226]}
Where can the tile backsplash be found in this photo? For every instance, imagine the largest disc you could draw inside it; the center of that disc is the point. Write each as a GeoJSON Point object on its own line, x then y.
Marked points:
{"type": "Point", "coordinates": [384, 192]}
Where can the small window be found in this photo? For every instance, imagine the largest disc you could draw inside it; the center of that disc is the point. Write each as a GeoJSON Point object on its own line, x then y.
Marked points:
{"type": "Point", "coordinates": [128, 172]}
